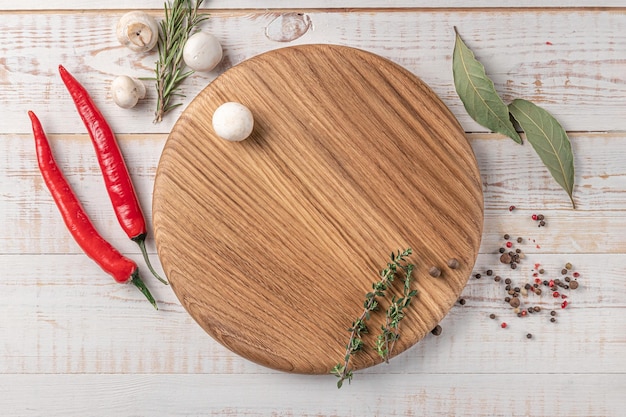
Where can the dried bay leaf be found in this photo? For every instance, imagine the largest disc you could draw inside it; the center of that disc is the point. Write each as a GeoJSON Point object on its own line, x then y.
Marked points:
{"type": "Point", "coordinates": [549, 140]}
{"type": "Point", "coordinates": [478, 93]}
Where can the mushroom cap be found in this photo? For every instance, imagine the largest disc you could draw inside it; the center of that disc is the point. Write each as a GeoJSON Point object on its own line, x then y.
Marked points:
{"type": "Point", "coordinates": [233, 121]}
{"type": "Point", "coordinates": [127, 91]}
{"type": "Point", "coordinates": [202, 51]}
{"type": "Point", "coordinates": [137, 31]}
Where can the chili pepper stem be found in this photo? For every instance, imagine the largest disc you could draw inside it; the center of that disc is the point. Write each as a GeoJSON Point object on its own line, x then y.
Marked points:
{"type": "Point", "coordinates": [141, 241]}
{"type": "Point", "coordinates": [136, 280]}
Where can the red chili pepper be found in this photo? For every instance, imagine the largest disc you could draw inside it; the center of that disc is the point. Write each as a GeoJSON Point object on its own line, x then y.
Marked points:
{"type": "Point", "coordinates": [122, 269]}
{"type": "Point", "coordinates": [116, 177]}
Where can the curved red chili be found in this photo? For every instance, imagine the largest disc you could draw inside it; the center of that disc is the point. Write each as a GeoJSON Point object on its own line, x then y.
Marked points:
{"type": "Point", "coordinates": [116, 177]}
{"type": "Point", "coordinates": [122, 269]}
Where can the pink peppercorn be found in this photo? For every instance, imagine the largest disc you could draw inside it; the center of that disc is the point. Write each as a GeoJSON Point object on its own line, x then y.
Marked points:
{"type": "Point", "coordinates": [564, 304]}
{"type": "Point", "coordinates": [556, 294]}
{"type": "Point", "coordinates": [509, 244]}
{"type": "Point", "coordinates": [534, 217]}
{"type": "Point", "coordinates": [503, 325]}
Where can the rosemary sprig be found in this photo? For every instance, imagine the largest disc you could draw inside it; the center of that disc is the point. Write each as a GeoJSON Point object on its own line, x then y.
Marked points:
{"type": "Point", "coordinates": [180, 21]}
{"type": "Point", "coordinates": [355, 343]}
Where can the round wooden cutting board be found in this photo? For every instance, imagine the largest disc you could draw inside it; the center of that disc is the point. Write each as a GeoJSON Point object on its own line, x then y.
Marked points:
{"type": "Point", "coordinates": [272, 243]}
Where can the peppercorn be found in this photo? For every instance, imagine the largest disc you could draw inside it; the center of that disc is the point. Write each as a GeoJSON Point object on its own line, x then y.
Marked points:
{"type": "Point", "coordinates": [537, 309]}
{"type": "Point", "coordinates": [489, 272]}
{"type": "Point", "coordinates": [527, 286]}
{"type": "Point", "coordinates": [509, 244]}
{"type": "Point", "coordinates": [511, 208]}
{"type": "Point", "coordinates": [497, 278]}
{"type": "Point", "coordinates": [538, 291]}
{"type": "Point", "coordinates": [563, 271]}
{"type": "Point", "coordinates": [462, 301]}
{"type": "Point", "coordinates": [492, 316]}
{"type": "Point", "coordinates": [437, 330]}
{"type": "Point", "coordinates": [505, 258]}
{"type": "Point", "coordinates": [541, 271]}
{"type": "Point", "coordinates": [434, 272]}
{"type": "Point", "coordinates": [530, 310]}
{"type": "Point", "coordinates": [546, 283]}
{"type": "Point", "coordinates": [567, 279]}
{"type": "Point", "coordinates": [507, 288]}
{"type": "Point", "coordinates": [453, 263]}
{"type": "Point", "coordinates": [540, 217]}
{"type": "Point", "coordinates": [513, 266]}
{"type": "Point", "coordinates": [507, 299]}
{"type": "Point", "coordinates": [542, 223]}
{"type": "Point", "coordinates": [477, 276]}
{"type": "Point", "coordinates": [573, 285]}
{"type": "Point", "coordinates": [502, 250]}
{"type": "Point", "coordinates": [506, 236]}
{"type": "Point", "coordinates": [568, 266]}
{"type": "Point", "coordinates": [575, 274]}
{"type": "Point", "coordinates": [516, 289]}
{"type": "Point", "coordinates": [553, 320]}
{"type": "Point", "coordinates": [520, 240]}
{"type": "Point", "coordinates": [514, 302]}
{"type": "Point", "coordinates": [553, 313]}
{"type": "Point", "coordinates": [503, 325]}
{"type": "Point", "coordinates": [518, 250]}
{"type": "Point", "coordinates": [529, 336]}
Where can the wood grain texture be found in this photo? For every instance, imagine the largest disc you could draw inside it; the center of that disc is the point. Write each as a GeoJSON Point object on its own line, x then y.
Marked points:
{"type": "Point", "coordinates": [74, 343]}
{"type": "Point", "coordinates": [578, 77]}
{"type": "Point", "coordinates": [303, 4]}
{"type": "Point", "coordinates": [273, 240]}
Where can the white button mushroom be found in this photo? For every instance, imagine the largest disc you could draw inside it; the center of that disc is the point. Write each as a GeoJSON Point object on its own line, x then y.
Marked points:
{"type": "Point", "coordinates": [233, 121]}
{"type": "Point", "coordinates": [138, 31]}
{"type": "Point", "coordinates": [127, 91]}
{"type": "Point", "coordinates": [202, 52]}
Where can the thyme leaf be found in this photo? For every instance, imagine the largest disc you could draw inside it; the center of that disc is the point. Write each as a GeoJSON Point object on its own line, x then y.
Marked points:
{"type": "Point", "coordinates": [394, 314]}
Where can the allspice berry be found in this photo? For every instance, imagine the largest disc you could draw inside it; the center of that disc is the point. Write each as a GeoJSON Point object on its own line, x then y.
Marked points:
{"type": "Point", "coordinates": [505, 258]}
{"type": "Point", "coordinates": [453, 263]}
{"type": "Point", "coordinates": [514, 302]}
{"type": "Point", "coordinates": [434, 272]}
{"type": "Point", "coordinates": [573, 284]}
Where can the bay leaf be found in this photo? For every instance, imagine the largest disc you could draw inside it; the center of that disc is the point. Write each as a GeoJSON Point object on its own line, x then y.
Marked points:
{"type": "Point", "coordinates": [550, 141]}
{"type": "Point", "coordinates": [478, 93]}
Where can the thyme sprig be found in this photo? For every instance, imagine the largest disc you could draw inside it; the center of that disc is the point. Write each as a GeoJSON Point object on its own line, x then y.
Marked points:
{"type": "Point", "coordinates": [395, 313]}
{"type": "Point", "coordinates": [355, 344]}
{"type": "Point", "coordinates": [181, 21]}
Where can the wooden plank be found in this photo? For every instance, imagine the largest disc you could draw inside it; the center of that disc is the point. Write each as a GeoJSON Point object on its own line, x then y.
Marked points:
{"type": "Point", "coordinates": [511, 175]}
{"type": "Point", "coordinates": [574, 395]}
{"type": "Point", "coordinates": [569, 61]}
{"type": "Point", "coordinates": [303, 4]}
{"type": "Point", "coordinates": [62, 314]}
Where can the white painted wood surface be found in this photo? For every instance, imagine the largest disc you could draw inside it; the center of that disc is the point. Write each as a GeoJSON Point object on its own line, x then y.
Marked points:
{"type": "Point", "coordinates": [73, 343]}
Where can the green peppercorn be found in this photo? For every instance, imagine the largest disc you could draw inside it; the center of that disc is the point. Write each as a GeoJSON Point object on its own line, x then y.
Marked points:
{"type": "Point", "coordinates": [568, 266]}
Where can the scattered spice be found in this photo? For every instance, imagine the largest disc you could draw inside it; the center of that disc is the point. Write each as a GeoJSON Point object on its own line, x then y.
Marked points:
{"type": "Point", "coordinates": [492, 316]}
{"type": "Point", "coordinates": [529, 336]}
{"type": "Point", "coordinates": [573, 285]}
{"type": "Point", "coordinates": [511, 208]}
{"type": "Point", "coordinates": [503, 325]}
{"type": "Point", "coordinates": [453, 263]}
{"type": "Point", "coordinates": [437, 330]}
{"type": "Point", "coordinates": [434, 272]}
{"type": "Point", "coordinates": [462, 301]}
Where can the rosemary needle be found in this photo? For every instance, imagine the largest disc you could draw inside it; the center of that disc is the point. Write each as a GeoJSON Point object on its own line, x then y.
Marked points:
{"type": "Point", "coordinates": [180, 21]}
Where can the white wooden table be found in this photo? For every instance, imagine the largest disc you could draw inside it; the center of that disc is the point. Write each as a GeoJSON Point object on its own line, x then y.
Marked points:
{"type": "Point", "coordinates": [74, 343]}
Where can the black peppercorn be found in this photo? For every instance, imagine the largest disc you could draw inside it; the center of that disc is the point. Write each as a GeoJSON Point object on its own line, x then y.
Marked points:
{"type": "Point", "coordinates": [541, 271]}
{"type": "Point", "coordinates": [529, 336]}
{"type": "Point", "coordinates": [518, 250]}
{"type": "Point", "coordinates": [492, 316]}
{"type": "Point", "coordinates": [506, 236]}
{"type": "Point", "coordinates": [567, 279]}
{"type": "Point", "coordinates": [437, 330]}
{"type": "Point", "coordinates": [542, 223]}
{"type": "Point", "coordinates": [477, 276]}
{"type": "Point", "coordinates": [519, 240]}
{"type": "Point", "coordinates": [546, 283]}
{"type": "Point", "coordinates": [507, 299]}
{"type": "Point", "coordinates": [553, 313]}
{"type": "Point", "coordinates": [513, 266]}
{"type": "Point", "coordinates": [527, 286]}
{"type": "Point", "coordinates": [489, 272]}
{"type": "Point", "coordinates": [507, 281]}
{"type": "Point", "coordinates": [462, 301]}
{"type": "Point", "coordinates": [553, 320]}
{"type": "Point", "coordinates": [563, 271]}
{"type": "Point", "coordinates": [537, 309]}
{"type": "Point", "coordinates": [497, 278]}
{"type": "Point", "coordinates": [502, 250]}
{"type": "Point", "coordinates": [516, 289]}
{"type": "Point", "coordinates": [507, 288]}
{"type": "Point", "coordinates": [540, 217]}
